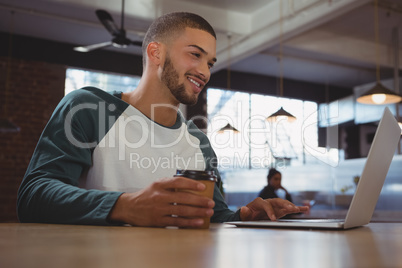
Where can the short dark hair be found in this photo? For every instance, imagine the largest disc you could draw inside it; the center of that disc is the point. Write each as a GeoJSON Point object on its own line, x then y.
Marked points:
{"type": "Point", "coordinates": [169, 25]}
{"type": "Point", "coordinates": [272, 172]}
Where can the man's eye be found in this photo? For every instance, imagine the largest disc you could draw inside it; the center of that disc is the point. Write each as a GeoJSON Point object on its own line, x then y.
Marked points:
{"type": "Point", "coordinates": [196, 55]}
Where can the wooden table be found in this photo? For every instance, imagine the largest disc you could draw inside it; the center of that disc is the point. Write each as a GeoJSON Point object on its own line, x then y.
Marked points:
{"type": "Point", "coordinates": [46, 245]}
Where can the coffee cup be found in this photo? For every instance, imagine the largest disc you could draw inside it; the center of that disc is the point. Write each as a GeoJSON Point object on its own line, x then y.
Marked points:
{"type": "Point", "coordinates": [208, 178]}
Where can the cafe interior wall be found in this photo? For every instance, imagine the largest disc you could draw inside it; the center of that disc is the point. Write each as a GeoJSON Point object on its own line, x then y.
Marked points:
{"type": "Point", "coordinates": [34, 71]}
{"type": "Point", "coordinates": [34, 90]}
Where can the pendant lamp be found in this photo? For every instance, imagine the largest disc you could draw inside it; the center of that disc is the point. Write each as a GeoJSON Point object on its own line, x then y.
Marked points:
{"type": "Point", "coordinates": [281, 114]}
{"type": "Point", "coordinates": [228, 127]}
{"type": "Point", "coordinates": [379, 94]}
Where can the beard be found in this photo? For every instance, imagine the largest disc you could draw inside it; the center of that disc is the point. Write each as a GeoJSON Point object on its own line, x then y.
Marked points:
{"type": "Point", "coordinates": [170, 77]}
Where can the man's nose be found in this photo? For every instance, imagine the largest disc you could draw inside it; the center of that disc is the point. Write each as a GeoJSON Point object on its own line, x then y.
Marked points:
{"type": "Point", "coordinates": [204, 71]}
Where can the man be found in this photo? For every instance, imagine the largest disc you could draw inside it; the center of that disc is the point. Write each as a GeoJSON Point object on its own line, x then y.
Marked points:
{"type": "Point", "coordinates": [110, 158]}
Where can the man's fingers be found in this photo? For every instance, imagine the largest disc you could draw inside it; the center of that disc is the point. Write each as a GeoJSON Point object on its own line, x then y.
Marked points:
{"type": "Point", "coordinates": [191, 199]}
{"type": "Point", "coordinates": [268, 208]}
{"type": "Point", "coordinates": [185, 216]}
{"type": "Point", "coordinates": [180, 183]}
{"type": "Point", "coordinates": [258, 209]}
{"type": "Point", "coordinates": [303, 208]}
{"type": "Point", "coordinates": [189, 212]}
{"type": "Point", "coordinates": [270, 211]}
{"type": "Point", "coordinates": [183, 191]}
{"type": "Point", "coordinates": [182, 222]}
{"type": "Point", "coordinates": [183, 197]}
{"type": "Point", "coordinates": [245, 213]}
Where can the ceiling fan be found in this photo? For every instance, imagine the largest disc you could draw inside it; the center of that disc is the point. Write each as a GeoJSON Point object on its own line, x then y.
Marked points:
{"type": "Point", "coordinates": [119, 40]}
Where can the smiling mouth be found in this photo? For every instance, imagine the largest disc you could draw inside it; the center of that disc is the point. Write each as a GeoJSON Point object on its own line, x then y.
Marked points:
{"type": "Point", "coordinates": [194, 82]}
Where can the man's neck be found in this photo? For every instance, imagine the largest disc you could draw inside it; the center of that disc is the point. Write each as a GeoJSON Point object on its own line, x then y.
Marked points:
{"type": "Point", "coordinates": [153, 104]}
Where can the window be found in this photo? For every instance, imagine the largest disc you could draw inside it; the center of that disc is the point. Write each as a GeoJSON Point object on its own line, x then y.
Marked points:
{"type": "Point", "coordinates": [259, 143]}
{"type": "Point", "coordinates": [77, 78]}
{"type": "Point", "coordinates": [244, 157]}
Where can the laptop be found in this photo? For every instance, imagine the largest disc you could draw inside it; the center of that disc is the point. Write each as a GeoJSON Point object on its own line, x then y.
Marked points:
{"type": "Point", "coordinates": [368, 190]}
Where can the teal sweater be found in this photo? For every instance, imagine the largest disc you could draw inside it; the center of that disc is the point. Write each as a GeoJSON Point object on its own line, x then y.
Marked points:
{"type": "Point", "coordinates": [96, 147]}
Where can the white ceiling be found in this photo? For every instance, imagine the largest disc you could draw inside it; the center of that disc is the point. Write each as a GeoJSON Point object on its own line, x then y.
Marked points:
{"type": "Point", "coordinates": [324, 41]}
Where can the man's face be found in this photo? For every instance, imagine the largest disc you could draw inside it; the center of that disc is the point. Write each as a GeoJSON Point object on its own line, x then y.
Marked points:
{"type": "Point", "coordinates": [187, 65]}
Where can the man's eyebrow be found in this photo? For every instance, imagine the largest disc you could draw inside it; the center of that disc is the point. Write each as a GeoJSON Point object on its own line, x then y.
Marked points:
{"type": "Point", "coordinates": [202, 51]}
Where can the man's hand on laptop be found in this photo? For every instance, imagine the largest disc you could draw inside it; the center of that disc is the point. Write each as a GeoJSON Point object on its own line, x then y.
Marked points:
{"type": "Point", "coordinates": [272, 209]}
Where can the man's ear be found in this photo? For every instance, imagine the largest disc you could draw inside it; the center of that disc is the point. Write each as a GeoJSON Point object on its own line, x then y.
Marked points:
{"type": "Point", "coordinates": [154, 53]}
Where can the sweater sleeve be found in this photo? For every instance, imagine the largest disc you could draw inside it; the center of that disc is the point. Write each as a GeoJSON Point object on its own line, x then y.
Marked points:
{"type": "Point", "coordinates": [221, 211]}
{"type": "Point", "coordinates": [50, 192]}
